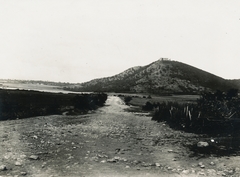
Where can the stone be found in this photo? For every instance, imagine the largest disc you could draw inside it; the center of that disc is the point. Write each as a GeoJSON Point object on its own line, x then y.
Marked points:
{"type": "Point", "coordinates": [111, 160]}
{"type": "Point", "coordinates": [23, 173]}
{"type": "Point", "coordinates": [100, 156]}
{"type": "Point", "coordinates": [34, 157]}
{"type": "Point", "coordinates": [18, 164]}
{"type": "Point", "coordinates": [237, 169]}
{"type": "Point", "coordinates": [212, 163]}
{"type": "Point", "coordinates": [211, 172]}
{"type": "Point", "coordinates": [103, 161]}
{"type": "Point", "coordinates": [146, 164]}
{"type": "Point", "coordinates": [117, 158]}
{"type": "Point", "coordinates": [185, 172]}
{"type": "Point", "coordinates": [200, 164]}
{"type": "Point", "coordinates": [202, 144]}
{"type": "Point", "coordinates": [193, 171]}
{"type": "Point", "coordinates": [3, 167]}
{"type": "Point", "coordinates": [23, 156]}
{"type": "Point", "coordinates": [117, 150]}
{"type": "Point", "coordinates": [157, 164]}
{"type": "Point", "coordinates": [123, 159]}
{"type": "Point", "coordinates": [230, 172]}
{"type": "Point", "coordinates": [136, 162]}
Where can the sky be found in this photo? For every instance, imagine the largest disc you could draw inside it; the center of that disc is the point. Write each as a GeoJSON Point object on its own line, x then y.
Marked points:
{"type": "Point", "coordinates": [79, 40]}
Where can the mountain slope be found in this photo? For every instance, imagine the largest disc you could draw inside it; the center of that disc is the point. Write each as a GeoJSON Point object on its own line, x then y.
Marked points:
{"type": "Point", "coordinates": [161, 76]}
{"type": "Point", "coordinates": [236, 82]}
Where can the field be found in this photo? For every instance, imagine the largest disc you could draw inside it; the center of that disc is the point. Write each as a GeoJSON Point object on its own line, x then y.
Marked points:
{"type": "Point", "coordinates": [24, 86]}
{"type": "Point", "coordinates": [139, 99]}
{"type": "Point", "coordinates": [42, 86]}
{"type": "Point", "coordinates": [5, 84]}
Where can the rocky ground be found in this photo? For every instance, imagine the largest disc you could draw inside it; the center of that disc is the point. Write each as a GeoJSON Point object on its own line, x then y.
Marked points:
{"type": "Point", "coordinates": [108, 142]}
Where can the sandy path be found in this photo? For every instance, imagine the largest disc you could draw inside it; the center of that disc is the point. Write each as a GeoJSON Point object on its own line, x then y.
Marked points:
{"type": "Point", "coordinates": [108, 142]}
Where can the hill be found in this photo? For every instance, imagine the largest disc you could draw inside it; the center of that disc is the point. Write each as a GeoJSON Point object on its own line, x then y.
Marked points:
{"type": "Point", "coordinates": [236, 82]}
{"type": "Point", "coordinates": [160, 77]}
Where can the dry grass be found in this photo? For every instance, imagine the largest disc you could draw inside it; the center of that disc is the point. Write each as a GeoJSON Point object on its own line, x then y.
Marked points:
{"type": "Point", "coordinates": [140, 101]}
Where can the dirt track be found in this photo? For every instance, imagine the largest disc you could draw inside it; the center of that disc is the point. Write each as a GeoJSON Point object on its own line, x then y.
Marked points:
{"type": "Point", "coordinates": [108, 142]}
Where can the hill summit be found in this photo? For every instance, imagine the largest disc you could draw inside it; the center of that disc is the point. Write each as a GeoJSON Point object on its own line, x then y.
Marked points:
{"type": "Point", "coordinates": [160, 77]}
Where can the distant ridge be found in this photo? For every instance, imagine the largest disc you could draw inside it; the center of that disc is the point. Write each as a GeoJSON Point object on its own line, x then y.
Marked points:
{"type": "Point", "coordinates": [160, 77]}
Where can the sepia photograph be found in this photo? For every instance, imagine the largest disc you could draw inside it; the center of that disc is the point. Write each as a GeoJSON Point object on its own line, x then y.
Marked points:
{"type": "Point", "coordinates": [119, 88]}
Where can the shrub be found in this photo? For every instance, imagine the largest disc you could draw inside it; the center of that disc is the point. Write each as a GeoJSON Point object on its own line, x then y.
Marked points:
{"type": "Point", "coordinates": [127, 99]}
{"type": "Point", "coordinates": [21, 104]}
{"type": "Point", "coordinates": [149, 97]}
{"type": "Point", "coordinates": [150, 106]}
{"type": "Point", "coordinates": [213, 113]}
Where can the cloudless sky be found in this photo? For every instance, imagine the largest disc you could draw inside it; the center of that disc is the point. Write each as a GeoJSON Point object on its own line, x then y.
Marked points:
{"type": "Point", "coordinates": [79, 40]}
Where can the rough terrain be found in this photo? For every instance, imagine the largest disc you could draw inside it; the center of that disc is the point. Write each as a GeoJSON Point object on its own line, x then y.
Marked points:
{"type": "Point", "coordinates": [108, 142]}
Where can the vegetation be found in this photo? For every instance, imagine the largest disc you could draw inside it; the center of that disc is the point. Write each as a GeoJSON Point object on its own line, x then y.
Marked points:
{"type": "Point", "coordinates": [213, 113]}
{"type": "Point", "coordinates": [127, 99]}
{"type": "Point", "coordinates": [150, 106]}
{"type": "Point", "coordinates": [22, 104]}
{"type": "Point", "coordinates": [199, 77]}
{"type": "Point", "coordinates": [140, 101]}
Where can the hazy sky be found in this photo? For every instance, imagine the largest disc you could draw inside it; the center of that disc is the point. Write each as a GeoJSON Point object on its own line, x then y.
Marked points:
{"type": "Point", "coordinates": [79, 40]}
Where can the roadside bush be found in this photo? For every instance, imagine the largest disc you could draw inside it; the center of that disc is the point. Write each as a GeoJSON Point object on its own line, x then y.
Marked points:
{"type": "Point", "coordinates": [150, 106]}
{"type": "Point", "coordinates": [89, 101]}
{"type": "Point", "coordinates": [22, 104]}
{"type": "Point", "coordinates": [127, 99]}
{"type": "Point", "coordinates": [213, 113]}
{"type": "Point", "coordinates": [149, 97]}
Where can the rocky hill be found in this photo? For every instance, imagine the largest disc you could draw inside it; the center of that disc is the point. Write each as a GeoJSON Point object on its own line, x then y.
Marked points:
{"type": "Point", "coordinates": [236, 82]}
{"type": "Point", "coordinates": [160, 77]}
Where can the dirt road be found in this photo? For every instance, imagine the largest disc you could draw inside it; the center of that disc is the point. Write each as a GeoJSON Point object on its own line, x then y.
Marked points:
{"type": "Point", "coordinates": [108, 142]}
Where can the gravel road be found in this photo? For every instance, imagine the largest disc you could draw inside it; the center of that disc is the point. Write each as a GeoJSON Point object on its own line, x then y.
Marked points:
{"type": "Point", "coordinates": [108, 142]}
